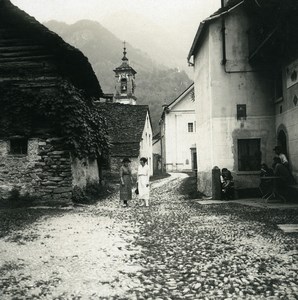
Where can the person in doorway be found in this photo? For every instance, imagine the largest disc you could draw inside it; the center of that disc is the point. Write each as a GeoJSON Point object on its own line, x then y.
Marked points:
{"type": "Point", "coordinates": [126, 182]}
{"type": "Point", "coordinates": [143, 182]}
{"type": "Point", "coordinates": [282, 156]}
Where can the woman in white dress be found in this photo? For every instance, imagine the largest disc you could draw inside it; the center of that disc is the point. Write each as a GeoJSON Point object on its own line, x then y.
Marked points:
{"type": "Point", "coordinates": [143, 181]}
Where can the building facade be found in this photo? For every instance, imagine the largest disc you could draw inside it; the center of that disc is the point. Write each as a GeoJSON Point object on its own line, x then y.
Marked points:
{"type": "Point", "coordinates": [246, 93]}
{"type": "Point", "coordinates": [35, 159]}
{"type": "Point", "coordinates": [178, 133]}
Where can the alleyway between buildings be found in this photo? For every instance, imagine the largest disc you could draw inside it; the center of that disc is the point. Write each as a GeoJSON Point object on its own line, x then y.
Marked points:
{"type": "Point", "coordinates": [175, 249]}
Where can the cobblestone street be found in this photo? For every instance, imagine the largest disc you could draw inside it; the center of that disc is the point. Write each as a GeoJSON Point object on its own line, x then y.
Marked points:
{"type": "Point", "coordinates": [175, 249]}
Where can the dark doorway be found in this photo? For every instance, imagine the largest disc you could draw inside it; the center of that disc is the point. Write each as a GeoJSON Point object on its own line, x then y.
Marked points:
{"type": "Point", "coordinates": [282, 142]}
{"type": "Point", "coordinates": [194, 160]}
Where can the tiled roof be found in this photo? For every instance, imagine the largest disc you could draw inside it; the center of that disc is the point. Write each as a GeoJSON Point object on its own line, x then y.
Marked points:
{"type": "Point", "coordinates": [125, 127]}
{"type": "Point", "coordinates": [71, 61]}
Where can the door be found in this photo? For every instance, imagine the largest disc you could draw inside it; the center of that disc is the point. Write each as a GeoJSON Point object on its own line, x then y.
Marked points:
{"type": "Point", "coordinates": [282, 142]}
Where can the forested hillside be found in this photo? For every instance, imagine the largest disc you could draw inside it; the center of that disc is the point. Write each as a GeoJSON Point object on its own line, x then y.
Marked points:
{"type": "Point", "coordinates": [156, 84]}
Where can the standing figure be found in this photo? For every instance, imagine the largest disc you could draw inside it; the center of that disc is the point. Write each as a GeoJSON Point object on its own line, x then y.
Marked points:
{"type": "Point", "coordinates": [126, 181]}
{"type": "Point", "coordinates": [143, 181]}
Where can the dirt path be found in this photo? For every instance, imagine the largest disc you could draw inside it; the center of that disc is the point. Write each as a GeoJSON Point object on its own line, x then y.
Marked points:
{"type": "Point", "coordinates": [175, 249]}
{"type": "Point", "coordinates": [83, 253]}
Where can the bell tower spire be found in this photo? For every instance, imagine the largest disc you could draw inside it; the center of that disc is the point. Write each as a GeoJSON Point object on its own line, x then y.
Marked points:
{"type": "Point", "coordinates": [124, 58]}
{"type": "Point", "coordinates": [125, 81]}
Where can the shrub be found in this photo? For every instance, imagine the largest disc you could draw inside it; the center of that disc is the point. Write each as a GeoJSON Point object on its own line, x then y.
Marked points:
{"type": "Point", "coordinates": [91, 193]}
{"type": "Point", "coordinates": [78, 195]}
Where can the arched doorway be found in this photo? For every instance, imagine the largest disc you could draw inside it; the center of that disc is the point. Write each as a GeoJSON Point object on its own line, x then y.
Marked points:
{"type": "Point", "coordinates": [282, 141]}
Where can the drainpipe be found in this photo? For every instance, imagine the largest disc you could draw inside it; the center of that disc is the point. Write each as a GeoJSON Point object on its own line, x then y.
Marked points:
{"type": "Point", "coordinates": [223, 35]}
{"type": "Point", "coordinates": [224, 45]}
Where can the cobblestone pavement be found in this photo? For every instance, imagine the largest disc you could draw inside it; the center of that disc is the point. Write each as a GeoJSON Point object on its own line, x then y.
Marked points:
{"type": "Point", "coordinates": [175, 249]}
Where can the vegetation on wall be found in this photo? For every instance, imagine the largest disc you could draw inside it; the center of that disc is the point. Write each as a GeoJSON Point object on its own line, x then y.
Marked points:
{"type": "Point", "coordinates": [64, 111]}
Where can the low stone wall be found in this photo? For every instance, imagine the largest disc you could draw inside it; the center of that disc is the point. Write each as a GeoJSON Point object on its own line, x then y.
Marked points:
{"type": "Point", "coordinates": [45, 172]}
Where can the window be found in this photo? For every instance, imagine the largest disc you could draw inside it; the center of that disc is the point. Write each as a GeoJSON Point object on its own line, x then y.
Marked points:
{"type": "Point", "coordinates": [249, 155]}
{"type": "Point", "coordinates": [123, 85]}
{"type": "Point", "coordinates": [241, 111]}
{"type": "Point", "coordinates": [190, 127]}
{"type": "Point", "coordinates": [19, 146]}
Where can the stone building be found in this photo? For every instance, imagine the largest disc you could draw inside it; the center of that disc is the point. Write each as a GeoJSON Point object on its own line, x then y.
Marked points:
{"type": "Point", "coordinates": [130, 130]}
{"type": "Point", "coordinates": [33, 63]}
{"type": "Point", "coordinates": [245, 76]}
{"type": "Point", "coordinates": [178, 132]}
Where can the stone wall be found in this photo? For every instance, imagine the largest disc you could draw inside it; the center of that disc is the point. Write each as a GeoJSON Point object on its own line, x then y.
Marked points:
{"type": "Point", "coordinates": [45, 172]}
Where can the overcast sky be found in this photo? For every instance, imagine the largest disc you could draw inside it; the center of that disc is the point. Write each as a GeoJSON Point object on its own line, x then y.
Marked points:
{"type": "Point", "coordinates": [166, 13]}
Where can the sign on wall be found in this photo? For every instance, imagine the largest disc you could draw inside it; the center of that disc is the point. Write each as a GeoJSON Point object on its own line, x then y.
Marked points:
{"type": "Point", "coordinates": [292, 74]}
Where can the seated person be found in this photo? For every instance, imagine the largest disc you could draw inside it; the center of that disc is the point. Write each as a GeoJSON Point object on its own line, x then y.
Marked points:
{"type": "Point", "coordinates": [227, 185]}
{"type": "Point", "coordinates": [283, 172]}
{"type": "Point", "coordinates": [266, 171]}
{"type": "Point", "coordinates": [284, 161]}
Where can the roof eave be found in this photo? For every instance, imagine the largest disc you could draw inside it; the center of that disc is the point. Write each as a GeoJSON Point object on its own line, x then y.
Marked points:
{"type": "Point", "coordinates": [197, 40]}
{"type": "Point", "coordinates": [185, 92]}
{"type": "Point", "coordinates": [198, 37]}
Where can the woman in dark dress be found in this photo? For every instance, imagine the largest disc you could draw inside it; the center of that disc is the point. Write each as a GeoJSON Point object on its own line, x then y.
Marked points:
{"type": "Point", "coordinates": [126, 181]}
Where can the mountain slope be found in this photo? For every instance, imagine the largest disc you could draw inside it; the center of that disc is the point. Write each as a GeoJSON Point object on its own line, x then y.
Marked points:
{"type": "Point", "coordinates": [156, 84]}
{"type": "Point", "coordinates": [148, 36]}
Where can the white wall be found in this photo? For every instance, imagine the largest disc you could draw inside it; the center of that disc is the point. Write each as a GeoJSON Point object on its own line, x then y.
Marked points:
{"type": "Point", "coordinates": [178, 141]}
{"type": "Point", "coordinates": [219, 92]}
{"type": "Point", "coordinates": [146, 144]}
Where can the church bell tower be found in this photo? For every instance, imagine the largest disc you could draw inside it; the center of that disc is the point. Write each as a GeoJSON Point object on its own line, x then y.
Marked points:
{"type": "Point", "coordinates": [125, 82]}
